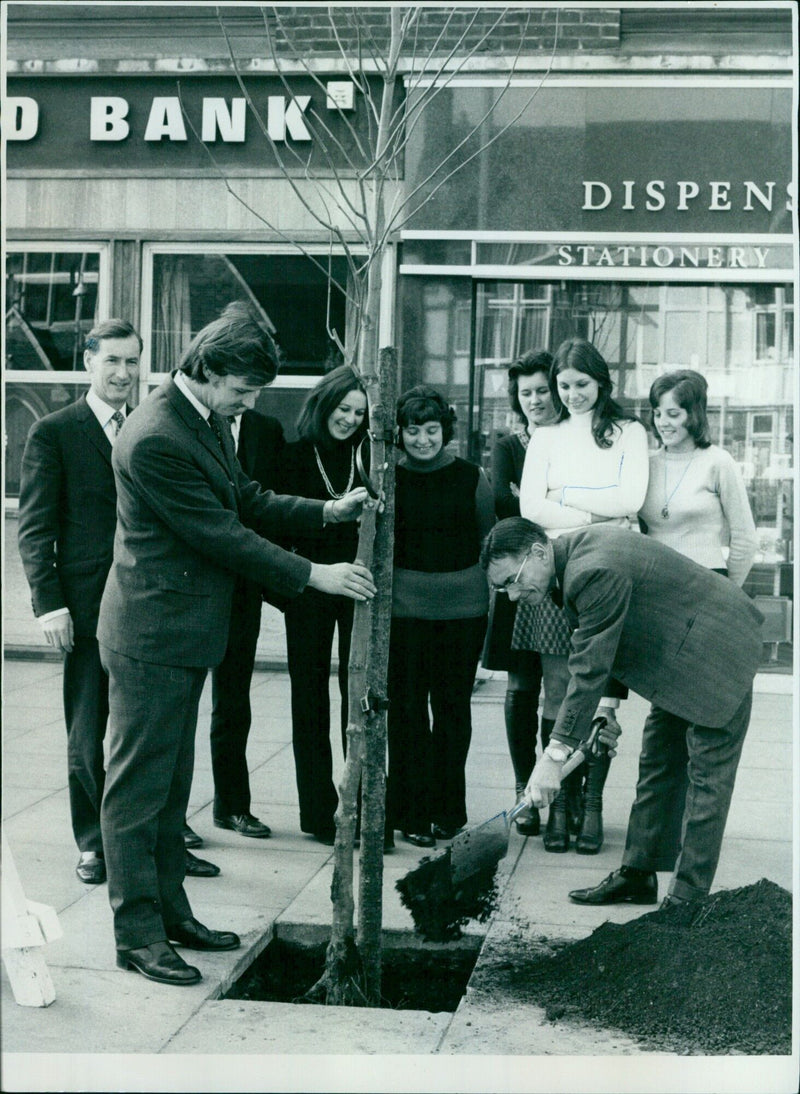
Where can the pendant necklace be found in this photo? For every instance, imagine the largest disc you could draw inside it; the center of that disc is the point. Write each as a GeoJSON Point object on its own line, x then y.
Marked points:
{"type": "Point", "coordinates": [668, 499]}
{"type": "Point", "coordinates": [327, 481]}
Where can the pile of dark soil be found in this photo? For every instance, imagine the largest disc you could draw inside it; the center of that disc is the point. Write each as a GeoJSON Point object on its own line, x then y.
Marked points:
{"type": "Point", "coordinates": [720, 984]}
{"type": "Point", "coordinates": [440, 907]}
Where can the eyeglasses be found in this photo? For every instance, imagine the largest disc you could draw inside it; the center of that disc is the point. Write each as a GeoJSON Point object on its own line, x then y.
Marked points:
{"type": "Point", "coordinates": [515, 580]}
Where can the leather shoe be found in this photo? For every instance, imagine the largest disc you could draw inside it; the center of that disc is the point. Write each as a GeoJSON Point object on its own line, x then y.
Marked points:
{"type": "Point", "coordinates": [620, 887]}
{"type": "Point", "coordinates": [420, 839]}
{"type": "Point", "coordinates": [327, 836]}
{"type": "Point", "coordinates": [245, 824]}
{"type": "Point", "coordinates": [190, 837]}
{"type": "Point", "coordinates": [158, 962]}
{"type": "Point", "coordinates": [91, 868]}
{"type": "Point", "coordinates": [200, 867]}
{"type": "Point", "coordinates": [194, 936]}
{"type": "Point", "coordinates": [443, 831]}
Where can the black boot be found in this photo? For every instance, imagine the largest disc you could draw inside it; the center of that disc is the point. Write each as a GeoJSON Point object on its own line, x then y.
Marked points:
{"type": "Point", "coordinates": [574, 792]}
{"type": "Point", "coordinates": [556, 834]}
{"type": "Point", "coordinates": [590, 839]}
{"type": "Point", "coordinates": [521, 725]}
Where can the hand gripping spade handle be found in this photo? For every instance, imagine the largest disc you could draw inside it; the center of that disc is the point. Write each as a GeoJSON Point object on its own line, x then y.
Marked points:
{"type": "Point", "coordinates": [482, 846]}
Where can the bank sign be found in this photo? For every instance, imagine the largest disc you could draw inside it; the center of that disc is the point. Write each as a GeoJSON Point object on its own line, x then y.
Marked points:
{"type": "Point", "coordinates": [659, 158]}
{"type": "Point", "coordinates": [165, 125]}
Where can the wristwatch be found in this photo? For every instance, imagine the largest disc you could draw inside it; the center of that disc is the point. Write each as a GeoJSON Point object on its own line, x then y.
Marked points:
{"type": "Point", "coordinates": [558, 751]}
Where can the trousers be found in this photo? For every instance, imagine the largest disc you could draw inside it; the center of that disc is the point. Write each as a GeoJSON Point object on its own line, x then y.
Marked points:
{"type": "Point", "coordinates": [85, 694]}
{"type": "Point", "coordinates": [683, 794]}
{"type": "Point", "coordinates": [152, 723]}
{"type": "Point", "coordinates": [430, 660]}
{"type": "Point", "coordinates": [231, 715]}
{"type": "Point", "coordinates": [311, 620]}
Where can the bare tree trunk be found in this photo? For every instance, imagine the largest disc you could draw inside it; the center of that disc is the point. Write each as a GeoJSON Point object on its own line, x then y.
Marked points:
{"type": "Point", "coordinates": [370, 896]}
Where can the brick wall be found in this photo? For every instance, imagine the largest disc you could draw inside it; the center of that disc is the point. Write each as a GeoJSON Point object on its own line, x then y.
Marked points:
{"type": "Point", "coordinates": [490, 31]}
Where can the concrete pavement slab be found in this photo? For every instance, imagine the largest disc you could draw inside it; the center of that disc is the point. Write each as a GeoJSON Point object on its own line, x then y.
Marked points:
{"type": "Point", "coordinates": [278, 1028]}
{"type": "Point", "coordinates": [282, 884]}
{"type": "Point", "coordinates": [100, 1011]}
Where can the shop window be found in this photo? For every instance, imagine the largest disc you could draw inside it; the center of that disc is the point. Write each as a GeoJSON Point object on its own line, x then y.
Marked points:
{"type": "Point", "coordinates": [290, 291]}
{"type": "Point", "coordinates": [51, 303]}
{"type": "Point", "coordinates": [55, 293]}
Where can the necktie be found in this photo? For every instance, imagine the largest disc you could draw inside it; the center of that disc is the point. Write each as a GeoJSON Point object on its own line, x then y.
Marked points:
{"type": "Point", "coordinates": [217, 427]}
{"type": "Point", "coordinates": [118, 420]}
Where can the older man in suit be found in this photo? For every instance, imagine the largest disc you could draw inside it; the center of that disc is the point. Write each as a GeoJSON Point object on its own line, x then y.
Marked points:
{"type": "Point", "coordinates": [189, 521]}
{"type": "Point", "coordinates": [678, 634]}
{"type": "Point", "coordinates": [67, 515]}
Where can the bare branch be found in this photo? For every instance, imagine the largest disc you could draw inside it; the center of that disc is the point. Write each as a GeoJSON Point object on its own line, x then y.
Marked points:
{"type": "Point", "coordinates": [341, 203]}
{"type": "Point", "coordinates": [298, 56]}
{"type": "Point", "coordinates": [398, 217]}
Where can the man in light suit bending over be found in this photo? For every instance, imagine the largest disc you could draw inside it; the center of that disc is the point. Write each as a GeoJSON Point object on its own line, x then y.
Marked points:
{"type": "Point", "coordinates": [189, 521]}
{"type": "Point", "coordinates": [680, 635]}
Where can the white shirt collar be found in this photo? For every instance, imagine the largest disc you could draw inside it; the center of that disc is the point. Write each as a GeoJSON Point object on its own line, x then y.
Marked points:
{"type": "Point", "coordinates": [201, 408]}
{"type": "Point", "coordinates": [101, 410]}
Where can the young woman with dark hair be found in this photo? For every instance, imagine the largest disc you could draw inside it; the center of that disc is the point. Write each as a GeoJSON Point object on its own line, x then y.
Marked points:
{"type": "Point", "coordinates": [532, 402]}
{"type": "Point", "coordinates": [321, 464]}
{"type": "Point", "coordinates": [696, 499]}
{"type": "Point", "coordinates": [590, 467]}
{"type": "Point", "coordinates": [443, 509]}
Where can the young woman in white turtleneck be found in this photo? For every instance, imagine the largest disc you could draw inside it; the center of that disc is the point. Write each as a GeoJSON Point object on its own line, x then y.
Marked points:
{"type": "Point", "coordinates": [590, 467]}
{"type": "Point", "coordinates": [696, 500]}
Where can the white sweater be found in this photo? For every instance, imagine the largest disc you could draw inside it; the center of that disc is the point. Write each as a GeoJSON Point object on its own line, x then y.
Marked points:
{"type": "Point", "coordinates": [708, 508]}
{"type": "Point", "coordinates": [568, 478]}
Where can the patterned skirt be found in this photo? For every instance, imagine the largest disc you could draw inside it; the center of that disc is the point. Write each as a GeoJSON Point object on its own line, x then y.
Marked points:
{"type": "Point", "coordinates": [542, 627]}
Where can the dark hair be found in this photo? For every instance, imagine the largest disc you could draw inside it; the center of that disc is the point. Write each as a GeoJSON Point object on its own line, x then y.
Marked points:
{"type": "Point", "coordinates": [690, 392]}
{"type": "Point", "coordinates": [527, 365]}
{"type": "Point", "coordinates": [581, 355]}
{"type": "Point", "coordinates": [111, 328]}
{"type": "Point", "coordinates": [422, 404]}
{"type": "Point", "coordinates": [236, 344]}
{"type": "Point", "coordinates": [512, 536]}
{"type": "Point", "coordinates": [323, 399]}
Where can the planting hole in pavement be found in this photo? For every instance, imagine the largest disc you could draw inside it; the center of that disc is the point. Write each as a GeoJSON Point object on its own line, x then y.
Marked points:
{"type": "Point", "coordinates": [412, 979]}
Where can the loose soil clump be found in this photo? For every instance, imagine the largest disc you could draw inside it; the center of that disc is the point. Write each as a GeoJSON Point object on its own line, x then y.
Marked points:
{"type": "Point", "coordinates": [721, 983]}
{"type": "Point", "coordinates": [438, 905]}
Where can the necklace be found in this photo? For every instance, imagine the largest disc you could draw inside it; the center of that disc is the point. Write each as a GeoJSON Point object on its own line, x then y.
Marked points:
{"type": "Point", "coordinates": [668, 499]}
{"type": "Point", "coordinates": [327, 481]}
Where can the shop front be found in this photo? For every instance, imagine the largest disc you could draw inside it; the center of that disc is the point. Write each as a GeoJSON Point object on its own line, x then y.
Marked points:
{"type": "Point", "coordinates": [653, 217]}
{"type": "Point", "coordinates": [652, 214]}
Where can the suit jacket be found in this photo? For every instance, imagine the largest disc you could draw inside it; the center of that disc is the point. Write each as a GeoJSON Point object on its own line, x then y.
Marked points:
{"type": "Point", "coordinates": [260, 452]}
{"type": "Point", "coordinates": [67, 514]}
{"type": "Point", "coordinates": [261, 445]}
{"type": "Point", "coordinates": [680, 635]}
{"type": "Point", "coordinates": [188, 522]}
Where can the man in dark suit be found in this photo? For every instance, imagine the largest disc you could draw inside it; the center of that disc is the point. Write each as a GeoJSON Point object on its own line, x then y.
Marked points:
{"type": "Point", "coordinates": [678, 634]}
{"type": "Point", "coordinates": [189, 521]}
{"type": "Point", "coordinates": [67, 514]}
{"type": "Point", "coordinates": [259, 441]}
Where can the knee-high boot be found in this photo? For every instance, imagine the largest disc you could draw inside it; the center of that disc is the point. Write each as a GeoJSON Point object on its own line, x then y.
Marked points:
{"type": "Point", "coordinates": [590, 838]}
{"type": "Point", "coordinates": [556, 833]}
{"type": "Point", "coordinates": [521, 725]}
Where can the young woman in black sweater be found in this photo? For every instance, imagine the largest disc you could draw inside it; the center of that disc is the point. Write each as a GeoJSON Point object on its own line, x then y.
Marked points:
{"type": "Point", "coordinates": [321, 464]}
{"type": "Point", "coordinates": [443, 509]}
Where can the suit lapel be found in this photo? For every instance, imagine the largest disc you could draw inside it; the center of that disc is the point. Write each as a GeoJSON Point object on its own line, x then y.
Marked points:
{"type": "Point", "coordinates": [93, 430]}
{"type": "Point", "coordinates": [198, 425]}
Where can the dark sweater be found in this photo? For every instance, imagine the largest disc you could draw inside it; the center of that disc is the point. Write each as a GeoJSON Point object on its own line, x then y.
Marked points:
{"type": "Point", "coordinates": [508, 460]}
{"type": "Point", "coordinates": [442, 511]}
{"type": "Point", "coordinates": [300, 475]}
